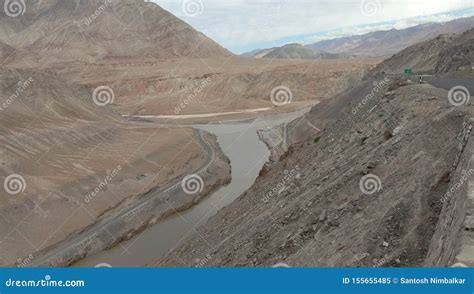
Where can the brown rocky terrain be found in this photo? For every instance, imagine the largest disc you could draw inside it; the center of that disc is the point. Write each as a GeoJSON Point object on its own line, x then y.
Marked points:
{"type": "Point", "coordinates": [56, 30]}
{"type": "Point", "coordinates": [69, 161]}
{"type": "Point", "coordinates": [81, 169]}
{"type": "Point", "coordinates": [155, 63]}
{"type": "Point", "coordinates": [365, 184]}
{"type": "Point", "coordinates": [193, 86]}
{"type": "Point", "coordinates": [445, 53]}
{"type": "Point", "coordinates": [64, 148]}
{"type": "Point", "coordinates": [308, 209]}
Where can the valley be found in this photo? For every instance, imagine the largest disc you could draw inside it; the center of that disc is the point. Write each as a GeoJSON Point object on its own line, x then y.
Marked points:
{"type": "Point", "coordinates": [130, 139]}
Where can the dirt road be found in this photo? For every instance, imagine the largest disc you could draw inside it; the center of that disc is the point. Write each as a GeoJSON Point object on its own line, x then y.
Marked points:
{"type": "Point", "coordinates": [60, 252]}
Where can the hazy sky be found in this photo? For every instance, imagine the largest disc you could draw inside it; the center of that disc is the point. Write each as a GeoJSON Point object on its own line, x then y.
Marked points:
{"type": "Point", "coordinates": [244, 25]}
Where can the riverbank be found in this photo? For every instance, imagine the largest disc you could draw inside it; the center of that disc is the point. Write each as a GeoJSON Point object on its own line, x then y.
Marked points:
{"type": "Point", "coordinates": [240, 143]}
{"type": "Point", "coordinates": [139, 212]}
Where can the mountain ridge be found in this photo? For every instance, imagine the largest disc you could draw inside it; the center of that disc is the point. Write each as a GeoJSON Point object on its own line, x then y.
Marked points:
{"type": "Point", "coordinates": [94, 30]}
{"type": "Point", "coordinates": [382, 43]}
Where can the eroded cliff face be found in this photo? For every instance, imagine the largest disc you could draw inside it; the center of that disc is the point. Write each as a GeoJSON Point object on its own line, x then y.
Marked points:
{"type": "Point", "coordinates": [367, 189]}
{"type": "Point", "coordinates": [452, 243]}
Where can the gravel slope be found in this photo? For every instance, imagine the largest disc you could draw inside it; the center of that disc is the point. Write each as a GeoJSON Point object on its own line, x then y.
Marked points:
{"type": "Point", "coordinates": [406, 135]}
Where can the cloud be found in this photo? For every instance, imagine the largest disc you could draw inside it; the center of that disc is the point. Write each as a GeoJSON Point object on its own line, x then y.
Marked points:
{"type": "Point", "coordinates": [243, 25]}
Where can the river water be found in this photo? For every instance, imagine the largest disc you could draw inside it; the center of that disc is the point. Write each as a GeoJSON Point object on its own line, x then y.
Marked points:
{"type": "Point", "coordinates": [247, 153]}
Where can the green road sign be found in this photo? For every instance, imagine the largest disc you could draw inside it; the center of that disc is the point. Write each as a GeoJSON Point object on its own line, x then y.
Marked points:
{"type": "Point", "coordinates": [408, 71]}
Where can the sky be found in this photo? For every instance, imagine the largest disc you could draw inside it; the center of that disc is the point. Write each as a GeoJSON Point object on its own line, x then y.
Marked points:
{"type": "Point", "coordinates": [245, 25]}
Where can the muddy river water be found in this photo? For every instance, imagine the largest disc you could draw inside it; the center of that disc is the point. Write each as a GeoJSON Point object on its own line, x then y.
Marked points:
{"type": "Point", "coordinates": [247, 154]}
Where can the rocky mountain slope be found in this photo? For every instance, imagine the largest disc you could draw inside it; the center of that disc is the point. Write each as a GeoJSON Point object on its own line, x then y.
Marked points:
{"type": "Point", "coordinates": [79, 30]}
{"type": "Point", "coordinates": [445, 53]}
{"type": "Point", "coordinates": [386, 43]}
{"type": "Point", "coordinates": [191, 85]}
{"type": "Point", "coordinates": [154, 62]}
{"type": "Point", "coordinates": [70, 70]}
{"type": "Point", "coordinates": [258, 53]}
{"type": "Point", "coordinates": [65, 161]}
{"type": "Point", "coordinates": [365, 186]}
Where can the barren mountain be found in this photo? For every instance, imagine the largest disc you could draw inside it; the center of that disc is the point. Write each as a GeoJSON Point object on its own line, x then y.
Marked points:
{"type": "Point", "coordinates": [458, 56]}
{"type": "Point", "coordinates": [154, 62]}
{"type": "Point", "coordinates": [442, 54]}
{"type": "Point", "coordinates": [194, 86]}
{"type": "Point", "coordinates": [293, 51]}
{"type": "Point", "coordinates": [62, 142]}
{"type": "Point", "coordinates": [374, 179]}
{"type": "Point", "coordinates": [66, 162]}
{"type": "Point", "coordinates": [258, 53]}
{"type": "Point", "coordinates": [373, 44]}
{"type": "Point", "coordinates": [67, 159]}
{"type": "Point", "coordinates": [57, 30]}
{"type": "Point", "coordinates": [386, 43]}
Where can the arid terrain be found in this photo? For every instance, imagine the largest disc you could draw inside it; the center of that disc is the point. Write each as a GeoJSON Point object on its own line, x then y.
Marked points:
{"type": "Point", "coordinates": [205, 85]}
{"type": "Point", "coordinates": [121, 126]}
{"type": "Point", "coordinates": [374, 178]}
{"type": "Point", "coordinates": [76, 77]}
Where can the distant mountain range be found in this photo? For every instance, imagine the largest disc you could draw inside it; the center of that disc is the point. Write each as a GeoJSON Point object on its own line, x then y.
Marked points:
{"type": "Point", "coordinates": [373, 44]}
{"type": "Point", "coordinates": [295, 51]}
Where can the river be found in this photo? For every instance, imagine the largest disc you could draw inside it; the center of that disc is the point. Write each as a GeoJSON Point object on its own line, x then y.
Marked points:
{"type": "Point", "coordinates": [247, 153]}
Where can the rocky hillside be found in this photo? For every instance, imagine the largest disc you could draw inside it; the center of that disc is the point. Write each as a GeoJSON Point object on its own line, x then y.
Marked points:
{"type": "Point", "coordinates": [58, 146]}
{"type": "Point", "coordinates": [459, 55]}
{"type": "Point", "coordinates": [386, 43]}
{"type": "Point", "coordinates": [365, 191]}
{"type": "Point", "coordinates": [67, 158]}
{"type": "Point", "coordinates": [365, 184]}
{"type": "Point", "coordinates": [153, 61]}
{"type": "Point", "coordinates": [445, 53]}
{"type": "Point", "coordinates": [79, 30]}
